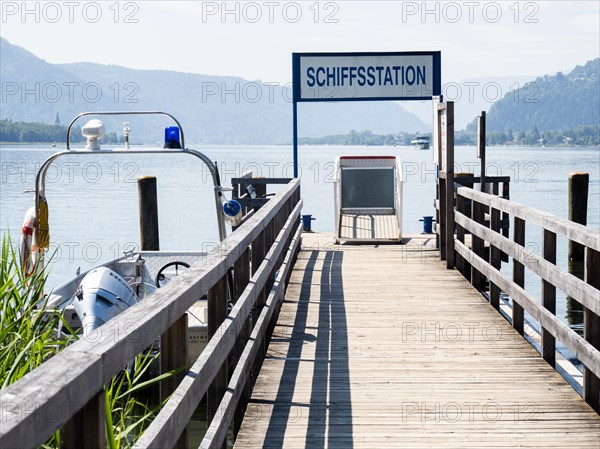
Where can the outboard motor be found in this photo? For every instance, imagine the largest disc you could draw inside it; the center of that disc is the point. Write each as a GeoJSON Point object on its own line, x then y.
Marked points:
{"type": "Point", "coordinates": [102, 295]}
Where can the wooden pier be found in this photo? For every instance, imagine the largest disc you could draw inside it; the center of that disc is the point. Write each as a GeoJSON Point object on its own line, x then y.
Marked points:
{"type": "Point", "coordinates": [387, 345]}
{"type": "Point", "coordinates": [382, 346]}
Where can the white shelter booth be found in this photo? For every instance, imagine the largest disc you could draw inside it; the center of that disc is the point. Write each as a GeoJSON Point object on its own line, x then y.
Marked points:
{"type": "Point", "coordinates": [368, 199]}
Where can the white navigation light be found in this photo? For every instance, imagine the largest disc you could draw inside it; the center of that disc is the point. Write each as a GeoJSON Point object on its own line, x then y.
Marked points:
{"type": "Point", "coordinates": [92, 131]}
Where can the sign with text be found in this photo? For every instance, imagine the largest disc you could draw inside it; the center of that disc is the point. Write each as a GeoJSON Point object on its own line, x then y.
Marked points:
{"type": "Point", "coordinates": [366, 76]}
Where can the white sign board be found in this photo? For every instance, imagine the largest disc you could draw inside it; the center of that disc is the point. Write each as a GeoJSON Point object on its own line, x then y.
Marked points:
{"type": "Point", "coordinates": [366, 76]}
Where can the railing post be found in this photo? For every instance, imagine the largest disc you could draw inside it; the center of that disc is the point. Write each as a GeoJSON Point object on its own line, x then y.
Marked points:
{"type": "Point", "coordinates": [463, 206]}
{"type": "Point", "coordinates": [495, 257]}
{"type": "Point", "coordinates": [87, 428]}
{"type": "Point", "coordinates": [460, 236]}
{"type": "Point", "coordinates": [257, 255]}
{"type": "Point", "coordinates": [549, 298]}
{"type": "Point", "coordinates": [518, 316]}
{"type": "Point", "coordinates": [442, 218]}
{"type": "Point", "coordinates": [478, 246]}
{"type": "Point", "coordinates": [591, 330]}
{"type": "Point", "coordinates": [217, 312]}
{"type": "Point", "coordinates": [450, 253]}
{"type": "Point", "coordinates": [173, 355]}
{"type": "Point", "coordinates": [242, 276]}
{"type": "Point", "coordinates": [578, 199]}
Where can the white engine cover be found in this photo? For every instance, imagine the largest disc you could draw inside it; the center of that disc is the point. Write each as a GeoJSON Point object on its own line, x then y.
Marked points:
{"type": "Point", "coordinates": [102, 295]}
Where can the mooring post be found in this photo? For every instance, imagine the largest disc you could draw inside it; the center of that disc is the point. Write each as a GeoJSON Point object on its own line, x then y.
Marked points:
{"type": "Point", "coordinates": [578, 199]}
{"type": "Point", "coordinates": [481, 148]}
{"type": "Point", "coordinates": [148, 205]}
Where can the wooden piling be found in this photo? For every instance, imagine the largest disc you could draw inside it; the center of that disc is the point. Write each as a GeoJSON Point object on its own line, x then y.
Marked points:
{"type": "Point", "coordinates": [148, 205]}
{"type": "Point", "coordinates": [578, 199]}
{"type": "Point", "coordinates": [481, 147]}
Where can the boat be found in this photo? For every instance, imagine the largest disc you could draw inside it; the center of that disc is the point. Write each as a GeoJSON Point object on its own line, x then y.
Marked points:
{"type": "Point", "coordinates": [420, 142]}
{"type": "Point", "coordinates": [92, 298]}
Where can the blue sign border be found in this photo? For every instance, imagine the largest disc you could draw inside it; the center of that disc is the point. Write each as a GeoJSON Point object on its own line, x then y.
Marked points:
{"type": "Point", "coordinates": [437, 75]}
{"type": "Point", "coordinates": [437, 86]}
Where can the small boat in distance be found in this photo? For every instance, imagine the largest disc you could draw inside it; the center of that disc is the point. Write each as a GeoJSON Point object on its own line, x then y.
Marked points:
{"type": "Point", "coordinates": [421, 142]}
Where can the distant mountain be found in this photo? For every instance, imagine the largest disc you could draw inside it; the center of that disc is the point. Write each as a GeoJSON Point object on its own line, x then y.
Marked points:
{"type": "Point", "coordinates": [551, 102]}
{"type": "Point", "coordinates": [212, 109]}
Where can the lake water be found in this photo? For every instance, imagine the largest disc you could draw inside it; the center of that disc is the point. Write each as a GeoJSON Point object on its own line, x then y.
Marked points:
{"type": "Point", "coordinates": [93, 199]}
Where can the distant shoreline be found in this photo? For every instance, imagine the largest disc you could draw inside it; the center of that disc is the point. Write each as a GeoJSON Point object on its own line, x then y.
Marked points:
{"type": "Point", "coordinates": [57, 144]}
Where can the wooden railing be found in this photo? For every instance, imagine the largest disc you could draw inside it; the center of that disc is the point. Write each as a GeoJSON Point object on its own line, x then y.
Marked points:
{"type": "Point", "coordinates": [68, 390]}
{"type": "Point", "coordinates": [477, 266]}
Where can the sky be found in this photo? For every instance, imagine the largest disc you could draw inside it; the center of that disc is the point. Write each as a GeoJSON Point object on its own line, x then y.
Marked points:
{"type": "Point", "coordinates": [496, 40]}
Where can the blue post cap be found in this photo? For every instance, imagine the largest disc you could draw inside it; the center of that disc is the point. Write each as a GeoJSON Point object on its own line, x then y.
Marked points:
{"type": "Point", "coordinates": [232, 208]}
{"type": "Point", "coordinates": [172, 138]}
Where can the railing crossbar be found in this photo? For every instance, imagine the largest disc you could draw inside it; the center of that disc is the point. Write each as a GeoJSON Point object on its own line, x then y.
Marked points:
{"type": "Point", "coordinates": [174, 416]}
{"type": "Point", "coordinates": [573, 231]}
{"type": "Point", "coordinates": [568, 283]}
{"type": "Point", "coordinates": [217, 431]}
{"type": "Point", "coordinates": [582, 349]}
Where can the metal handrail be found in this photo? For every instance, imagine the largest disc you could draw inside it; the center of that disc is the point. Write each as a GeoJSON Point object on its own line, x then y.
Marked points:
{"type": "Point", "coordinates": [40, 181]}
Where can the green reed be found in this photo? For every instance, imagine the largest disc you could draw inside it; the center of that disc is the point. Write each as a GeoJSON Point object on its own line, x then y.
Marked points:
{"type": "Point", "coordinates": [30, 334]}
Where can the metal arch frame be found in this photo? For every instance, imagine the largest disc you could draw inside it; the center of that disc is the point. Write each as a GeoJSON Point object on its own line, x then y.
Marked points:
{"type": "Point", "coordinates": [40, 180]}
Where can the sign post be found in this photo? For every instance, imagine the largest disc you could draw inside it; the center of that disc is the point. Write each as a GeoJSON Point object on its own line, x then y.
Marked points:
{"type": "Point", "coordinates": [383, 76]}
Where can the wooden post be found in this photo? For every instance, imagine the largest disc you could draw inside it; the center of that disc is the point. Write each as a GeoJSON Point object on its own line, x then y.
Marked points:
{"type": "Point", "coordinates": [460, 236]}
{"type": "Point", "coordinates": [242, 276]}
{"type": "Point", "coordinates": [549, 298]}
{"type": "Point", "coordinates": [148, 205]}
{"type": "Point", "coordinates": [463, 206]}
{"type": "Point", "coordinates": [437, 214]}
{"type": "Point", "coordinates": [578, 199]}
{"type": "Point", "coordinates": [450, 253]}
{"type": "Point", "coordinates": [173, 355]}
{"type": "Point", "coordinates": [261, 191]}
{"type": "Point", "coordinates": [87, 428]}
{"type": "Point", "coordinates": [442, 218]}
{"type": "Point", "coordinates": [481, 148]}
{"type": "Point", "coordinates": [518, 316]}
{"type": "Point", "coordinates": [478, 246]}
{"type": "Point", "coordinates": [591, 330]}
{"type": "Point", "coordinates": [257, 255]}
{"type": "Point", "coordinates": [217, 312]}
{"type": "Point", "coordinates": [495, 258]}
{"type": "Point", "coordinates": [440, 215]}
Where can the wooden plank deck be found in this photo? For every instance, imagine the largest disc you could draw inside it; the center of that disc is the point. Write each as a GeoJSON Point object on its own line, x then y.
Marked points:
{"type": "Point", "coordinates": [379, 346]}
{"type": "Point", "coordinates": [369, 227]}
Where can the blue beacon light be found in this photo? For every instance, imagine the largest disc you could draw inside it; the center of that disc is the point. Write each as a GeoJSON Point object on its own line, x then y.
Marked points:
{"type": "Point", "coordinates": [172, 138]}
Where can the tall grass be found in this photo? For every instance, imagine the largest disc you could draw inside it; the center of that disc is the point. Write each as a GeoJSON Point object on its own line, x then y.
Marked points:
{"type": "Point", "coordinates": [29, 336]}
